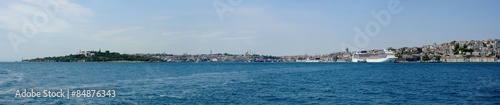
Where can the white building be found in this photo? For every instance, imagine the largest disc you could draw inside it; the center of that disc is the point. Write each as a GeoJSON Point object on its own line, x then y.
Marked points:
{"type": "Point", "coordinates": [86, 53]}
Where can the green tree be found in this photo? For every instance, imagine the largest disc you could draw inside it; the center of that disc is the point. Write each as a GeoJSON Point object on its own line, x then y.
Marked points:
{"type": "Point", "coordinates": [391, 49]}
{"type": "Point", "coordinates": [425, 57]}
{"type": "Point", "coordinates": [457, 47]}
{"type": "Point", "coordinates": [419, 50]}
{"type": "Point", "coordinates": [438, 58]}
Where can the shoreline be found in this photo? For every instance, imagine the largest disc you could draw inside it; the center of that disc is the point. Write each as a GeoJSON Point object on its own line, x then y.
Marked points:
{"type": "Point", "coordinates": [241, 62]}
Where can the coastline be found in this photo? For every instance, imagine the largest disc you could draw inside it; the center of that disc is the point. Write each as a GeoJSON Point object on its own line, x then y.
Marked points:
{"type": "Point", "coordinates": [403, 62]}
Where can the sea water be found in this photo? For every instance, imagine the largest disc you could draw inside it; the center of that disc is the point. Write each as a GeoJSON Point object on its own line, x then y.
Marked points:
{"type": "Point", "coordinates": [256, 83]}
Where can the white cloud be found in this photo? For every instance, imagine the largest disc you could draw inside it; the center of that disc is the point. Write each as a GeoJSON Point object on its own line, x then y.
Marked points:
{"type": "Point", "coordinates": [247, 32]}
{"type": "Point", "coordinates": [74, 12]}
{"type": "Point", "coordinates": [248, 39]}
{"type": "Point", "coordinates": [210, 35]}
{"type": "Point", "coordinates": [109, 35]}
{"type": "Point", "coordinates": [121, 30]}
{"type": "Point", "coordinates": [162, 18]}
{"type": "Point", "coordinates": [12, 15]}
{"type": "Point", "coordinates": [70, 14]}
{"type": "Point", "coordinates": [57, 26]}
{"type": "Point", "coordinates": [173, 33]}
{"type": "Point", "coordinates": [195, 35]}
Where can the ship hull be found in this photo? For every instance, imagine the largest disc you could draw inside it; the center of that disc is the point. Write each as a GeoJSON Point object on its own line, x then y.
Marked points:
{"type": "Point", "coordinates": [375, 60]}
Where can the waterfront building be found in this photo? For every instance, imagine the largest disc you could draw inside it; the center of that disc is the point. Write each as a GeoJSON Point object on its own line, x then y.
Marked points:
{"type": "Point", "coordinates": [453, 59]}
{"type": "Point", "coordinates": [482, 59]}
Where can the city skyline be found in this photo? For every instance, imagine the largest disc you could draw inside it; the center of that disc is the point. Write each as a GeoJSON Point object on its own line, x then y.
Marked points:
{"type": "Point", "coordinates": [265, 27]}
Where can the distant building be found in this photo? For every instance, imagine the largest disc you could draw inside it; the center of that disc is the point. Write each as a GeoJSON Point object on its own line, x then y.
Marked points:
{"type": "Point", "coordinates": [482, 59]}
{"type": "Point", "coordinates": [86, 53]}
{"type": "Point", "coordinates": [476, 53]}
{"type": "Point", "coordinates": [453, 59]}
{"type": "Point", "coordinates": [471, 59]}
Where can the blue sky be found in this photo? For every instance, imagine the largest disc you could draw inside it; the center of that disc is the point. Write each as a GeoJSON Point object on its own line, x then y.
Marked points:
{"type": "Point", "coordinates": [275, 27]}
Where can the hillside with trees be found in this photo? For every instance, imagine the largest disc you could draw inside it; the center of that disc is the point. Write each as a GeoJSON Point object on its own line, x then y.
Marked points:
{"type": "Point", "coordinates": [96, 56]}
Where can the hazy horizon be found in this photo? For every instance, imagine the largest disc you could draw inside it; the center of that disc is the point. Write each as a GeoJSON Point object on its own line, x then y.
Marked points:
{"type": "Point", "coordinates": [292, 27]}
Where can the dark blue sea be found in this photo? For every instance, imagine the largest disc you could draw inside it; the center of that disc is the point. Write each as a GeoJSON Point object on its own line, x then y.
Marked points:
{"type": "Point", "coordinates": [256, 83]}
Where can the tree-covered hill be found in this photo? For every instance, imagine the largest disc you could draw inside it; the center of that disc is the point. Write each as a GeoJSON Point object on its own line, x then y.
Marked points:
{"type": "Point", "coordinates": [95, 56]}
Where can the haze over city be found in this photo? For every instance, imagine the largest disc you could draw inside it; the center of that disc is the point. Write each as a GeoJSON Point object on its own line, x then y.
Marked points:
{"type": "Point", "coordinates": [291, 27]}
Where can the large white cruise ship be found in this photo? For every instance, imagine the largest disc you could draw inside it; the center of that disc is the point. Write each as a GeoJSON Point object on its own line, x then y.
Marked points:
{"type": "Point", "coordinates": [364, 56]}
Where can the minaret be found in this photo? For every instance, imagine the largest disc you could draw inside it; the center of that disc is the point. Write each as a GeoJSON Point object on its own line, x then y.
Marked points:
{"type": "Point", "coordinates": [210, 51]}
